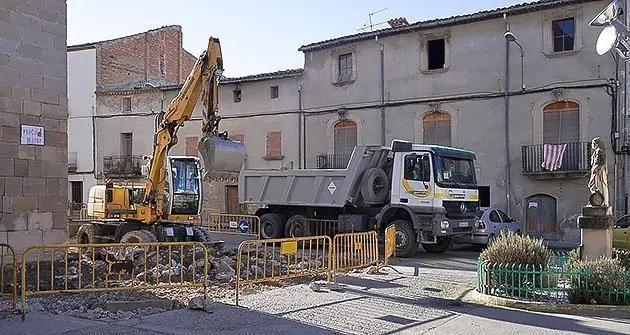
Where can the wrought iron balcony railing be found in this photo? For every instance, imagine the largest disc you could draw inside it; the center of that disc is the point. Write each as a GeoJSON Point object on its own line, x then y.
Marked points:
{"type": "Point", "coordinates": [122, 166]}
{"type": "Point", "coordinates": [333, 161]}
{"type": "Point", "coordinates": [575, 159]}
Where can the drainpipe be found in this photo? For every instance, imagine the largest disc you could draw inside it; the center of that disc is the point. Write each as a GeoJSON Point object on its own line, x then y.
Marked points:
{"type": "Point", "coordinates": [506, 101]}
{"type": "Point", "coordinates": [300, 127]}
{"type": "Point", "coordinates": [382, 91]}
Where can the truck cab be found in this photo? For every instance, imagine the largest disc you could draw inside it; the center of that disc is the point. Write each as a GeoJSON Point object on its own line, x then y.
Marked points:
{"type": "Point", "coordinates": [434, 195]}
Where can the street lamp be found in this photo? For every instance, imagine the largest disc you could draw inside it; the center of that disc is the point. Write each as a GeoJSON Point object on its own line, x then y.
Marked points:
{"type": "Point", "coordinates": [510, 37]}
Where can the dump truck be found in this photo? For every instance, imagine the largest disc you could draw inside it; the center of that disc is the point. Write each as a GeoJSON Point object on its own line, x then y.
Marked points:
{"type": "Point", "coordinates": [428, 192]}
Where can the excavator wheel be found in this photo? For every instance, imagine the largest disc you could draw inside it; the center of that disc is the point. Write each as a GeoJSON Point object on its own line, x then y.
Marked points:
{"type": "Point", "coordinates": [200, 235]}
{"type": "Point", "coordinates": [139, 236]}
{"type": "Point", "coordinates": [86, 234]}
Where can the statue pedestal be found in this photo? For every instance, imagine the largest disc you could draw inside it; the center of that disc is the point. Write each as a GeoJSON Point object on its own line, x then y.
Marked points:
{"type": "Point", "coordinates": [596, 223]}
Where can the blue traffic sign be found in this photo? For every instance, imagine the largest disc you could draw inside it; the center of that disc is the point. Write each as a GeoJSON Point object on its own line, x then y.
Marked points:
{"type": "Point", "coordinates": [243, 226]}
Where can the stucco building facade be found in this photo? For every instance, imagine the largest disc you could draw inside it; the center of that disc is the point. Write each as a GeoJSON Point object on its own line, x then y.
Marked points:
{"type": "Point", "coordinates": [445, 82]}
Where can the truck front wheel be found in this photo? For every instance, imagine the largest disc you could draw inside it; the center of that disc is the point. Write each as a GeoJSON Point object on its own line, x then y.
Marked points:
{"type": "Point", "coordinates": [406, 243]}
{"type": "Point", "coordinates": [443, 245]}
{"type": "Point", "coordinates": [271, 225]}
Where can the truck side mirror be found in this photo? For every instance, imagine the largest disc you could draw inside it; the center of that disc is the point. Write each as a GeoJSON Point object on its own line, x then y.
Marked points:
{"type": "Point", "coordinates": [426, 169]}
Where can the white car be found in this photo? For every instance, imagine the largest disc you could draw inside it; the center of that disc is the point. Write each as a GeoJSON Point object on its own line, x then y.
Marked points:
{"type": "Point", "coordinates": [492, 223]}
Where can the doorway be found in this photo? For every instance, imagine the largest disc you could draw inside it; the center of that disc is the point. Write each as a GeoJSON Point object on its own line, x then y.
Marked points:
{"type": "Point", "coordinates": [231, 199]}
{"type": "Point", "coordinates": [541, 216]}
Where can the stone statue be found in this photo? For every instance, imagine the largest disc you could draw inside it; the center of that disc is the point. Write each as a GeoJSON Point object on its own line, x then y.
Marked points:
{"type": "Point", "coordinates": [598, 184]}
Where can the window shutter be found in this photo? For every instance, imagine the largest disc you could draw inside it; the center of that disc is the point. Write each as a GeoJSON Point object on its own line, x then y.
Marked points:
{"type": "Point", "coordinates": [345, 137]}
{"type": "Point", "coordinates": [437, 129]}
{"type": "Point", "coordinates": [561, 123]}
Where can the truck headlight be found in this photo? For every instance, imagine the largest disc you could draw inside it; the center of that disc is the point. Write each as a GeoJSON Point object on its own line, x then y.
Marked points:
{"type": "Point", "coordinates": [444, 224]}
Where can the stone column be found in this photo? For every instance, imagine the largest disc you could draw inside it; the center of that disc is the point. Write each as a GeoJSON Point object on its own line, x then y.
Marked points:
{"type": "Point", "coordinates": [596, 224]}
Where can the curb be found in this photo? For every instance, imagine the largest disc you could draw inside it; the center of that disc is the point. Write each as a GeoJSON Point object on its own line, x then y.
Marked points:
{"type": "Point", "coordinates": [576, 309]}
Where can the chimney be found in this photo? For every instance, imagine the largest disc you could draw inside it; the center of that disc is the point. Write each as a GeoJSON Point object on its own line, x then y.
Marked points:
{"type": "Point", "coordinates": [398, 22]}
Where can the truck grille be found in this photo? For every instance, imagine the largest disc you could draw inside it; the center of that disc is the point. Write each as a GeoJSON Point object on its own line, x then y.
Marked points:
{"type": "Point", "coordinates": [454, 209]}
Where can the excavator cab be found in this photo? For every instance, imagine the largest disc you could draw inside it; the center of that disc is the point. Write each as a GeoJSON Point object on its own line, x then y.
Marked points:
{"type": "Point", "coordinates": [184, 185]}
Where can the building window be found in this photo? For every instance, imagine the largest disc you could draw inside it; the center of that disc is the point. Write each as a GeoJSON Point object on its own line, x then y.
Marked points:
{"type": "Point", "coordinates": [237, 95]}
{"type": "Point", "coordinates": [126, 144]}
{"type": "Point", "coordinates": [345, 67]}
{"type": "Point", "coordinates": [563, 35]}
{"type": "Point", "coordinates": [191, 146]}
{"type": "Point", "coordinates": [345, 137]}
{"type": "Point", "coordinates": [126, 104]}
{"type": "Point", "coordinates": [436, 129]}
{"type": "Point", "coordinates": [274, 145]}
{"type": "Point", "coordinates": [436, 54]}
{"type": "Point", "coordinates": [77, 192]}
{"type": "Point", "coordinates": [274, 92]}
{"type": "Point", "coordinates": [561, 123]}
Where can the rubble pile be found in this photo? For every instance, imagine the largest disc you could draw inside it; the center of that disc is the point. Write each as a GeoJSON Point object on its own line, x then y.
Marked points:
{"type": "Point", "coordinates": [261, 264]}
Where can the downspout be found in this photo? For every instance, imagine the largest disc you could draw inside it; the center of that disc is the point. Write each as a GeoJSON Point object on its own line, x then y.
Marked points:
{"type": "Point", "coordinates": [506, 100]}
{"type": "Point", "coordinates": [300, 116]}
{"type": "Point", "coordinates": [382, 91]}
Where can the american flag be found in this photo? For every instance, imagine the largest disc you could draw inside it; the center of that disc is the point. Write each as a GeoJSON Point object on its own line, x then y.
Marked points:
{"type": "Point", "coordinates": [553, 156]}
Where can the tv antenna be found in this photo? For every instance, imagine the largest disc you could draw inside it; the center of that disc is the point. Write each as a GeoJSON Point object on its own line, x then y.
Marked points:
{"type": "Point", "coordinates": [369, 24]}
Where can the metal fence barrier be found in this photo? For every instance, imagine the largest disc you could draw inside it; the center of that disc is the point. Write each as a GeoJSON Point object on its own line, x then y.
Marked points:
{"type": "Point", "coordinates": [248, 225]}
{"type": "Point", "coordinates": [355, 250]}
{"type": "Point", "coordinates": [111, 267]}
{"type": "Point", "coordinates": [390, 243]}
{"type": "Point", "coordinates": [278, 259]}
{"type": "Point", "coordinates": [8, 274]}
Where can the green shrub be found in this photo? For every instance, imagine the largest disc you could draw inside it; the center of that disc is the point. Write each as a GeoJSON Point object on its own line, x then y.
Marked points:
{"type": "Point", "coordinates": [517, 249]}
{"type": "Point", "coordinates": [597, 281]}
{"type": "Point", "coordinates": [623, 255]}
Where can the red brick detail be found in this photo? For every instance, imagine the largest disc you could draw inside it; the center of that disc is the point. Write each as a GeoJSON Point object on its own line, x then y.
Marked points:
{"type": "Point", "coordinates": [191, 145]}
{"type": "Point", "coordinates": [274, 144]}
{"type": "Point", "coordinates": [139, 57]}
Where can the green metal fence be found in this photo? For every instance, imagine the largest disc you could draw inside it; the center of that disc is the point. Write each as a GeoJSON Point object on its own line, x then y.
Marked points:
{"type": "Point", "coordinates": [557, 282]}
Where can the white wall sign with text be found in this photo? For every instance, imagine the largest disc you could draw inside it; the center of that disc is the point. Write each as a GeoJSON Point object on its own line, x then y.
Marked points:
{"type": "Point", "coordinates": [32, 135]}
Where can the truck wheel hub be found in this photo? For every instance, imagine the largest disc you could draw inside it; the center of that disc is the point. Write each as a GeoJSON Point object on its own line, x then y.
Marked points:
{"type": "Point", "coordinates": [401, 239]}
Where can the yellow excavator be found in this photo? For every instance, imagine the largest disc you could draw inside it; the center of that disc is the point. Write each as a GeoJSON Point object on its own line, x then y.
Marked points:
{"type": "Point", "coordinates": [168, 206]}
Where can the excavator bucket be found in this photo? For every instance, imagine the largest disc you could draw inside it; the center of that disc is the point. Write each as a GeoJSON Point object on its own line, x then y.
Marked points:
{"type": "Point", "coordinates": [221, 155]}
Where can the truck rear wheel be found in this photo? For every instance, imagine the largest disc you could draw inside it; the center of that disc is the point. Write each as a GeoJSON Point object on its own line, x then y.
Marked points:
{"type": "Point", "coordinates": [271, 225]}
{"type": "Point", "coordinates": [406, 243]}
{"type": "Point", "coordinates": [374, 185]}
{"type": "Point", "coordinates": [139, 236]}
{"type": "Point", "coordinates": [297, 226]}
{"type": "Point", "coordinates": [443, 245]}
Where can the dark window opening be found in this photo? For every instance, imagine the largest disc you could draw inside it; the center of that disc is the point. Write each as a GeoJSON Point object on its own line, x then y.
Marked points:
{"type": "Point", "coordinates": [563, 35]}
{"type": "Point", "coordinates": [437, 54]}
{"type": "Point", "coordinates": [274, 92]}
{"type": "Point", "coordinates": [237, 95]}
{"type": "Point", "coordinates": [77, 191]}
{"type": "Point", "coordinates": [126, 104]}
{"type": "Point", "coordinates": [345, 67]}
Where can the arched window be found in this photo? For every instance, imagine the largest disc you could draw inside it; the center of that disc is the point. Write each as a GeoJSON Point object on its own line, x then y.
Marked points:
{"type": "Point", "coordinates": [436, 129]}
{"type": "Point", "coordinates": [345, 138]}
{"type": "Point", "coordinates": [561, 123]}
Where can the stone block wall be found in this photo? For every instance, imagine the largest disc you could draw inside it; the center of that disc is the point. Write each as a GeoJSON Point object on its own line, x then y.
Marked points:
{"type": "Point", "coordinates": [33, 91]}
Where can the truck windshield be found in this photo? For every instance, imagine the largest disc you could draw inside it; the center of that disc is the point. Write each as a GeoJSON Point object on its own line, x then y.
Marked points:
{"type": "Point", "coordinates": [455, 172]}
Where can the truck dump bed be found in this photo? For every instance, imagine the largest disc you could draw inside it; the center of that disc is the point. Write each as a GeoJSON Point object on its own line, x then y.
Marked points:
{"type": "Point", "coordinates": [310, 187]}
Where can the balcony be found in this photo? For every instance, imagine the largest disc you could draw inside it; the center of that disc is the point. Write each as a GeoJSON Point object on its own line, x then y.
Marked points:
{"type": "Point", "coordinates": [575, 162]}
{"type": "Point", "coordinates": [72, 161]}
{"type": "Point", "coordinates": [333, 161]}
{"type": "Point", "coordinates": [122, 166]}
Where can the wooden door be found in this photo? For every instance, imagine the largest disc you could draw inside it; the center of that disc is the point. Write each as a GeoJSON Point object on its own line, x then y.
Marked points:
{"type": "Point", "coordinates": [541, 216]}
{"type": "Point", "coordinates": [126, 144]}
{"type": "Point", "coordinates": [231, 201]}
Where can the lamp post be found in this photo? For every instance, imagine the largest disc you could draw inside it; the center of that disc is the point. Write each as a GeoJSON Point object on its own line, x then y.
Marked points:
{"type": "Point", "coordinates": [510, 37]}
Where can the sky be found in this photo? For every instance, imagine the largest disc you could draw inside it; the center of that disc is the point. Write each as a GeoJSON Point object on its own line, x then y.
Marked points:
{"type": "Point", "coordinates": [256, 36]}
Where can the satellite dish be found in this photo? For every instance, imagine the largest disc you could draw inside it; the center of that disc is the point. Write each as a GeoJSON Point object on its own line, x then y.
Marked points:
{"type": "Point", "coordinates": [606, 40]}
{"type": "Point", "coordinates": [606, 16]}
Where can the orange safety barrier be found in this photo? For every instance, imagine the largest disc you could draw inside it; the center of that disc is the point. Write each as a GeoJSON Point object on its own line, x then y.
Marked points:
{"type": "Point", "coordinates": [355, 250]}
